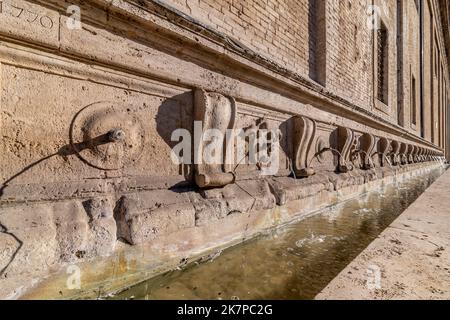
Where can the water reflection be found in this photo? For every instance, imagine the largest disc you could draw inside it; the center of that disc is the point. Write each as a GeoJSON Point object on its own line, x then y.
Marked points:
{"type": "Point", "coordinates": [295, 262]}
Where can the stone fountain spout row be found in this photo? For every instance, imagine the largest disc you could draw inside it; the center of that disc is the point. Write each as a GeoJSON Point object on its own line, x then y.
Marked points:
{"type": "Point", "coordinates": [353, 149]}
{"type": "Point", "coordinates": [391, 152]}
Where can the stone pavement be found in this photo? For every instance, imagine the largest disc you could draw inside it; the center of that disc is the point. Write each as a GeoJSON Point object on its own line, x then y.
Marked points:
{"type": "Point", "coordinates": [409, 260]}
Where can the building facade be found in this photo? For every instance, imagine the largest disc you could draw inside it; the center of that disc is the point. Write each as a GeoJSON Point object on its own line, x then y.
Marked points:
{"type": "Point", "coordinates": [97, 95]}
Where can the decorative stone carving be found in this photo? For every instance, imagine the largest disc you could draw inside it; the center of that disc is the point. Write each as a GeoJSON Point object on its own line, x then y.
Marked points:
{"type": "Point", "coordinates": [367, 144]}
{"type": "Point", "coordinates": [403, 151]}
{"type": "Point", "coordinates": [304, 134]}
{"type": "Point", "coordinates": [416, 154]}
{"type": "Point", "coordinates": [395, 157]}
{"type": "Point", "coordinates": [321, 145]}
{"type": "Point", "coordinates": [409, 153]}
{"type": "Point", "coordinates": [107, 136]}
{"type": "Point", "coordinates": [384, 148]}
{"type": "Point", "coordinates": [437, 156]}
{"type": "Point", "coordinates": [346, 139]}
{"type": "Point", "coordinates": [218, 112]}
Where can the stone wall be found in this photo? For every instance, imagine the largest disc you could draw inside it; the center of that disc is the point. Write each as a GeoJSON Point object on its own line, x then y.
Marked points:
{"type": "Point", "coordinates": [87, 116]}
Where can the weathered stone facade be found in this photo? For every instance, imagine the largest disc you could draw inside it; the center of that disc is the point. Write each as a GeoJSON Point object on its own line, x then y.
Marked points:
{"type": "Point", "coordinates": [87, 116]}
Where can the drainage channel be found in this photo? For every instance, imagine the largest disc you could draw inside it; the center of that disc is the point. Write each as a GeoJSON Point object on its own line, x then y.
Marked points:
{"type": "Point", "coordinates": [293, 262]}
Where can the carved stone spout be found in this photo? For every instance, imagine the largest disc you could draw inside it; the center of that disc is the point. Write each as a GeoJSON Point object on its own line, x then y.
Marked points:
{"type": "Point", "coordinates": [384, 148]}
{"type": "Point", "coordinates": [415, 155]}
{"type": "Point", "coordinates": [216, 113]}
{"type": "Point", "coordinates": [304, 134]}
{"type": "Point", "coordinates": [410, 153]}
{"type": "Point", "coordinates": [395, 157]}
{"type": "Point", "coordinates": [346, 139]}
{"type": "Point", "coordinates": [367, 141]}
{"type": "Point", "coordinates": [403, 152]}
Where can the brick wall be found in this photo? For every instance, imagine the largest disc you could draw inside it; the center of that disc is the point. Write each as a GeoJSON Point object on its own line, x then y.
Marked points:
{"type": "Point", "coordinates": [331, 43]}
{"type": "Point", "coordinates": [288, 32]}
{"type": "Point", "coordinates": [349, 45]}
{"type": "Point", "coordinates": [276, 29]}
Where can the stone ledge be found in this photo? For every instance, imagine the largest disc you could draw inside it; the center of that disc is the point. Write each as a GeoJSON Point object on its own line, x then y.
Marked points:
{"type": "Point", "coordinates": [165, 228]}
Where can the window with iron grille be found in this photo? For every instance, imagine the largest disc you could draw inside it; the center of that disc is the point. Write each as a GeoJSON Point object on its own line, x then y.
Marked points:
{"type": "Point", "coordinates": [382, 67]}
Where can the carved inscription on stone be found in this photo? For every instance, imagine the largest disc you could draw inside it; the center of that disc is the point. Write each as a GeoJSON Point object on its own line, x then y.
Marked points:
{"type": "Point", "coordinates": [27, 21]}
{"type": "Point", "coordinates": [27, 15]}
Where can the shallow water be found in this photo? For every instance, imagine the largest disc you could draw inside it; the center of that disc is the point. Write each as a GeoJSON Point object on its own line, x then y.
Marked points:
{"type": "Point", "coordinates": [294, 262]}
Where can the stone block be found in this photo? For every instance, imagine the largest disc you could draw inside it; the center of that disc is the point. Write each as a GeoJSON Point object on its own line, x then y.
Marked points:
{"type": "Point", "coordinates": [138, 223]}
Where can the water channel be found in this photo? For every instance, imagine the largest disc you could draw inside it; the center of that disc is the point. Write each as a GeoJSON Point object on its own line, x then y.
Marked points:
{"type": "Point", "coordinates": [293, 262]}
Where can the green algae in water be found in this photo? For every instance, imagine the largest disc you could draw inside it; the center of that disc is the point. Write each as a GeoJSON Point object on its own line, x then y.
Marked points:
{"type": "Point", "coordinates": [293, 262]}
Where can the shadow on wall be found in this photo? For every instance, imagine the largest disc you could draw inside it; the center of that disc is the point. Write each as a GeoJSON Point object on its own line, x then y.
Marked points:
{"type": "Point", "coordinates": [177, 113]}
{"type": "Point", "coordinates": [5, 184]}
{"type": "Point", "coordinates": [286, 128]}
{"type": "Point", "coordinates": [4, 230]}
